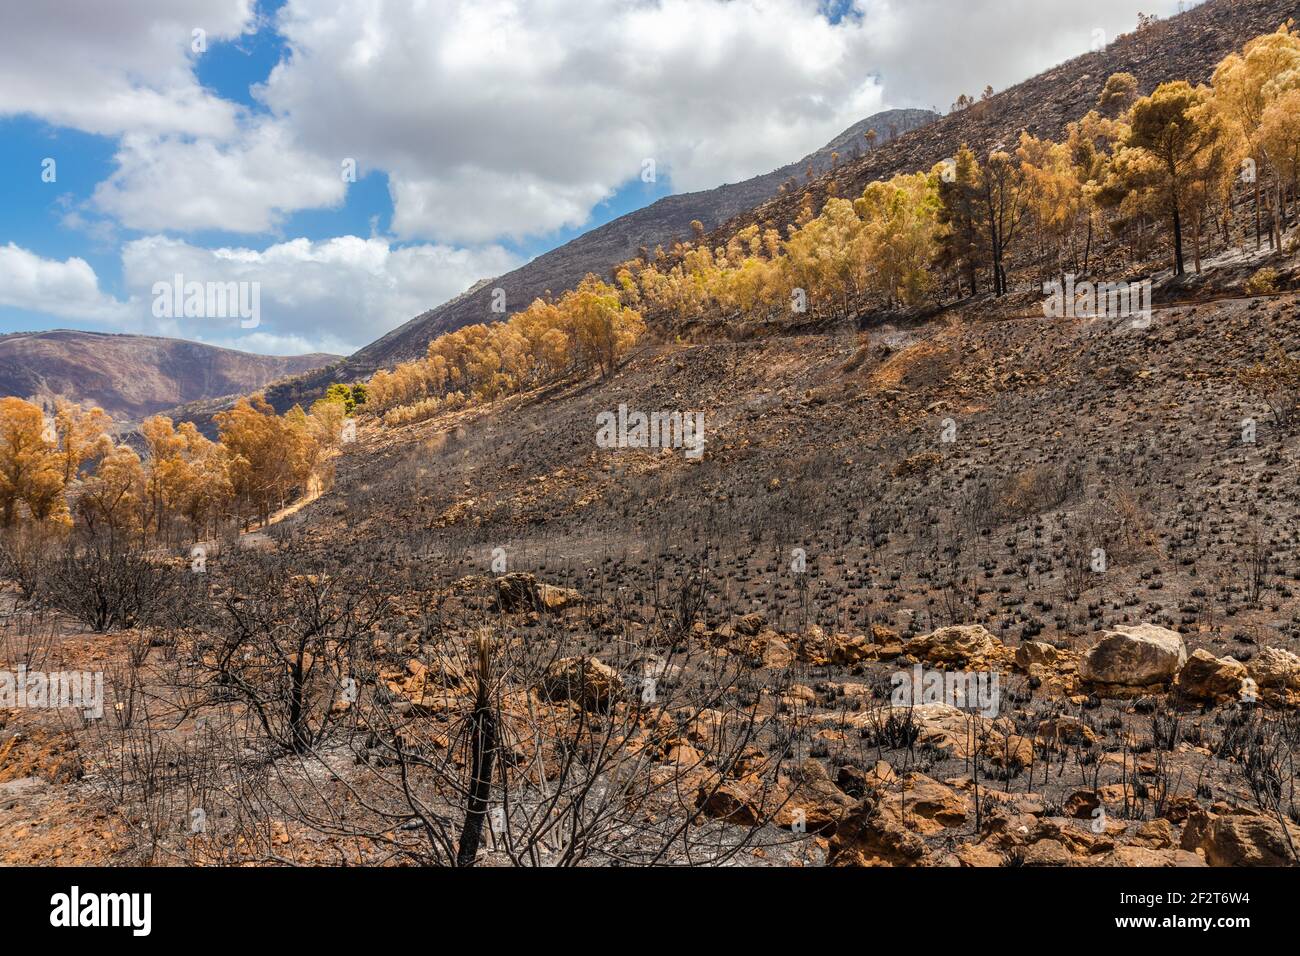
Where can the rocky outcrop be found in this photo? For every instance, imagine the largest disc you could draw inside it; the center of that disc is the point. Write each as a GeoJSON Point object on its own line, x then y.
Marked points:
{"type": "Point", "coordinates": [1276, 674]}
{"type": "Point", "coordinates": [520, 591]}
{"type": "Point", "coordinates": [1209, 679]}
{"type": "Point", "coordinates": [586, 681]}
{"type": "Point", "coordinates": [1135, 657]}
{"type": "Point", "coordinates": [1241, 837]}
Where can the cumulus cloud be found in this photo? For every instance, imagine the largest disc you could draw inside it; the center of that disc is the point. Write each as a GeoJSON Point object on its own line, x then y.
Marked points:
{"type": "Point", "coordinates": [503, 117]}
{"type": "Point", "coordinates": [111, 68]}
{"type": "Point", "coordinates": [515, 117]}
{"type": "Point", "coordinates": [68, 289]}
{"type": "Point", "coordinates": [927, 52]}
{"type": "Point", "coordinates": [333, 296]}
{"type": "Point", "coordinates": [177, 184]}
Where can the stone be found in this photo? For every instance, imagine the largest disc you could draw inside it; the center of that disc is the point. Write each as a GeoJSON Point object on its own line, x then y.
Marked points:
{"type": "Point", "coordinates": [1135, 656]}
{"type": "Point", "coordinates": [1065, 730]}
{"type": "Point", "coordinates": [959, 645]}
{"type": "Point", "coordinates": [521, 591]}
{"type": "Point", "coordinates": [1276, 673]}
{"type": "Point", "coordinates": [874, 835]}
{"type": "Point", "coordinates": [1035, 652]}
{"type": "Point", "coordinates": [1209, 679]}
{"type": "Point", "coordinates": [1243, 838]}
{"type": "Point", "coordinates": [586, 681]}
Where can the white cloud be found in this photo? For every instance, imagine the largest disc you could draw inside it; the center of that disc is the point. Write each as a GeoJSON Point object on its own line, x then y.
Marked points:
{"type": "Point", "coordinates": [509, 117]}
{"type": "Point", "coordinates": [930, 51]}
{"type": "Point", "coordinates": [332, 296]}
{"type": "Point", "coordinates": [68, 289]}
{"type": "Point", "coordinates": [175, 184]}
{"type": "Point", "coordinates": [115, 67]}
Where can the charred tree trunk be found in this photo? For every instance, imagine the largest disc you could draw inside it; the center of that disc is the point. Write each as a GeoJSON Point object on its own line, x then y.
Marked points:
{"type": "Point", "coordinates": [483, 733]}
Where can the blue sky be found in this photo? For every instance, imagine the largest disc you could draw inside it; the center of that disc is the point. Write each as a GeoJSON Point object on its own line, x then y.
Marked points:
{"type": "Point", "coordinates": [484, 132]}
{"type": "Point", "coordinates": [36, 211]}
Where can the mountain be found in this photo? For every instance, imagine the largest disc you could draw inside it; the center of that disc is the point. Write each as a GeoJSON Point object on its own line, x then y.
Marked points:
{"type": "Point", "coordinates": [605, 246]}
{"type": "Point", "coordinates": [1184, 47]}
{"type": "Point", "coordinates": [133, 376]}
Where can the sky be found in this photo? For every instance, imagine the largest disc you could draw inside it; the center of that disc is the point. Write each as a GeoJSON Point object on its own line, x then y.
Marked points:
{"type": "Point", "coordinates": [289, 176]}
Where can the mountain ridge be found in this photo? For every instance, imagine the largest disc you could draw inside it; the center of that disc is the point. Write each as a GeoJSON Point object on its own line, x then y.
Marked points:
{"type": "Point", "coordinates": [134, 376]}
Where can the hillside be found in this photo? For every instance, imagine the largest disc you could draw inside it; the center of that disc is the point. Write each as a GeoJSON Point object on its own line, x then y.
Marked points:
{"type": "Point", "coordinates": [1183, 47]}
{"type": "Point", "coordinates": [133, 376]}
{"type": "Point", "coordinates": [603, 247]}
{"type": "Point", "coordinates": [967, 584]}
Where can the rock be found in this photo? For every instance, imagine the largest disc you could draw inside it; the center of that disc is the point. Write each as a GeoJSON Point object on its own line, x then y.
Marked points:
{"type": "Point", "coordinates": [931, 806]}
{"type": "Point", "coordinates": [774, 652]}
{"type": "Point", "coordinates": [874, 835]}
{"type": "Point", "coordinates": [1008, 750]}
{"type": "Point", "coordinates": [1276, 674]}
{"type": "Point", "coordinates": [1047, 852]}
{"type": "Point", "coordinates": [959, 645]}
{"type": "Point", "coordinates": [747, 801]}
{"type": "Point", "coordinates": [978, 855]}
{"type": "Point", "coordinates": [1135, 656]}
{"type": "Point", "coordinates": [1080, 804]}
{"type": "Point", "coordinates": [822, 804]}
{"type": "Point", "coordinates": [1243, 838]}
{"type": "Point", "coordinates": [1156, 834]}
{"type": "Point", "coordinates": [1035, 652]}
{"type": "Point", "coordinates": [1065, 730]}
{"type": "Point", "coordinates": [554, 598]}
{"type": "Point", "coordinates": [750, 625]}
{"type": "Point", "coordinates": [583, 680]}
{"type": "Point", "coordinates": [521, 591]}
{"type": "Point", "coordinates": [1133, 855]}
{"type": "Point", "coordinates": [1210, 679]}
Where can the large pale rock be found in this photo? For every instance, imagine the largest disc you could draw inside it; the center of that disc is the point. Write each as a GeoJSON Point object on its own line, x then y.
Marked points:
{"type": "Point", "coordinates": [959, 645]}
{"type": "Point", "coordinates": [1135, 656]}
{"type": "Point", "coordinates": [1241, 839]}
{"type": "Point", "coordinates": [1210, 679]}
{"type": "Point", "coordinates": [521, 591]}
{"type": "Point", "coordinates": [586, 681]}
{"type": "Point", "coordinates": [1276, 674]}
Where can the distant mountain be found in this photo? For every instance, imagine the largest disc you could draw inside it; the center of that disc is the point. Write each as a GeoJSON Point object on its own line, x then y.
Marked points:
{"type": "Point", "coordinates": [134, 376]}
{"type": "Point", "coordinates": [604, 247]}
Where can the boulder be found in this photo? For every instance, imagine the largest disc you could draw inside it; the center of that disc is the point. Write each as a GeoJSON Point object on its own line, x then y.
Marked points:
{"type": "Point", "coordinates": [747, 801]}
{"type": "Point", "coordinates": [1209, 679]}
{"type": "Point", "coordinates": [586, 681]}
{"type": "Point", "coordinates": [1143, 856]}
{"type": "Point", "coordinates": [772, 651]}
{"type": "Point", "coordinates": [1067, 730]}
{"type": "Point", "coordinates": [959, 645]}
{"type": "Point", "coordinates": [521, 591]}
{"type": "Point", "coordinates": [1276, 674]}
{"type": "Point", "coordinates": [874, 835]}
{"type": "Point", "coordinates": [815, 799]}
{"type": "Point", "coordinates": [1135, 656]}
{"type": "Point", "coordinates": [1242, 838]}
{"type": "Point", "coordinates": [1035, 652]}
{"type": "Point", "coordinates": [931, 806]}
